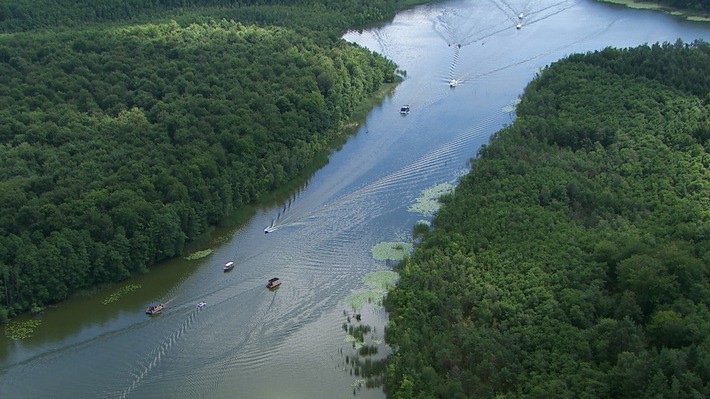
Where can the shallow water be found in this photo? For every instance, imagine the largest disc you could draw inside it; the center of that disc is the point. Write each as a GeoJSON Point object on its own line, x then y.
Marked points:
{"type": "Point", "coordinates": [250, 342]}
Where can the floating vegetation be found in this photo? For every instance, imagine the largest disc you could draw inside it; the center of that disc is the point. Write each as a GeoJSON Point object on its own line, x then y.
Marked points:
{"type": "Point", "coordinates": [221, 240]}
{"type": "Point", "coordinates": [378, 282]}
{"type": "Point", "coordinates": [199, 254]}
{"type": "Point", "coordinates": [428, 203]}
{"type": "Point", "coordinates": [21, 329]}
{"type": "Point", "coordinates": [381, 280]}
{"type": "Point", "coordinates": [391, 250]}
{"type": "Point", "coordinates": [117, 294]}
{"type": "Point", "coordinates": [359, 300]}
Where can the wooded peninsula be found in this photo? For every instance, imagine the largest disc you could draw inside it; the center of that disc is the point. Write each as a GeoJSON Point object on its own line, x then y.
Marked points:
{"type": "Point", "coordinates": [572, 261]}
{"type": "Point", "coordinates": [124, 139]}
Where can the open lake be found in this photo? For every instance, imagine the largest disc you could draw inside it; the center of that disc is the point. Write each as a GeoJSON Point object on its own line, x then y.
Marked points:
{"type": "Point", "coordinates": [251, 342]}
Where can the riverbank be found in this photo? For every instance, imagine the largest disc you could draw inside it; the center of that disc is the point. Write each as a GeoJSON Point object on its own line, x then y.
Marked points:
{"type": "Point", "coordinates": [686, 14]}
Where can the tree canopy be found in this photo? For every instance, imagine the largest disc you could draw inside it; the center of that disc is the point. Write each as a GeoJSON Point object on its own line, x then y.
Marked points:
{"type": "Point", "coordinates": [122, 143]}
{"type": "Point", "coordinates": [572, 261]}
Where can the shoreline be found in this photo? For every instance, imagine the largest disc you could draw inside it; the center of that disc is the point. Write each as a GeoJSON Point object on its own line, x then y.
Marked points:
{"type": "Point", "coordinates": [643, 5]}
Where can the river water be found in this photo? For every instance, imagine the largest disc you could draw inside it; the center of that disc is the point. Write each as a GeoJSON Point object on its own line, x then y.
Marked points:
{"type": "Point", "coordinates": [250, 342]}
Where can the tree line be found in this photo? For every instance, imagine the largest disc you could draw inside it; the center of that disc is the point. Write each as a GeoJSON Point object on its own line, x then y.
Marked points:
{"type": "Point", "coordinates": [123, 143]}
{"type": "Point", "coordinates": [572, 261]}
{"type": "Point", "coordinates": [318, 15]}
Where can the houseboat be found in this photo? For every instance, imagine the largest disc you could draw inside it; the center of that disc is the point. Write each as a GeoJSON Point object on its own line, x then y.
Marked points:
{"type": "Point", "coordinates": [154, 309]}
{"type": "Point", "coordinates": [273, 283]}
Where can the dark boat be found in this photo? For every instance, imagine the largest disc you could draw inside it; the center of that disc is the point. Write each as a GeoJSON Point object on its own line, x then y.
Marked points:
{"type": "Point", "coordinates": [404, 110]}
{"type": "Point", "coordinates": [154, 309]}
{"type": "Point", "coordinates": [273, 283]}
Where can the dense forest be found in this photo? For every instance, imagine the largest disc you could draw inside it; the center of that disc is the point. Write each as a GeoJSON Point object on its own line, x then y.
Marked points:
{"type": "Point", "coordinates": [572, 261]}
{"type": "Point", "coordinates": [121, 143]}
{"type": "Point", "coordinates": [696, 6]}
{"type": "Point", "coordinates": [315, 16]}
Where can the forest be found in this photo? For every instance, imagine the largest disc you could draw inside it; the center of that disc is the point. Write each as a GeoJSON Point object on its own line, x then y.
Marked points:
{"type": "Point", "coordinates": [572, 261]}
{"type": "Point", "coordinates": [125, 140]}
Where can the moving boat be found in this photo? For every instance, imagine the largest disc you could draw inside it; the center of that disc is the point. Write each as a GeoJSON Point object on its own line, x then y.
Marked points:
{"type": "Point", "coordinates": [520, 16]}
{"type": "Point", "coordinates": [518, 26]}
{"type": "Point", "coordinates": [154, 309]}
{"type": "Point", "coordinates": [453, 83]}
{"type": "Point", "coordinates": [228, 266]}
{"type": "Point", "coordinates": [201, 305]}
{"type": "Point", "coordinates": [404, 110]}
{"type": "Point", "coordinates": [269, 229]}
{"type": "Point", "coordinates": [273, 283]}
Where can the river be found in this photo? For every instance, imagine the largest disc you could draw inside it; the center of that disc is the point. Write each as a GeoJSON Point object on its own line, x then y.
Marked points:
{"type": "Point", "coordinates": [251, 342]}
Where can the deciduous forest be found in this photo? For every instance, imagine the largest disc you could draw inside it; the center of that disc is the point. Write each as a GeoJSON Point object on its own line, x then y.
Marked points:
{"type": "Point", "coordinates": [123, 139]}
{"type": "Point", "coordinates": [572, 261]}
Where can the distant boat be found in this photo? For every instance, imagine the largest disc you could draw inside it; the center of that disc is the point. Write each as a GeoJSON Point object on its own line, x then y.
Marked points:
{"type": "Point", "coordinates": [453, 83]}
{"type": "Point", "coordinates": [154, 309]}
{"type": "Point", "coordinates": [404, 110]}
{"type": "Point", "coordinates": [518, 26]}
{"type": "Point", "coordinates": [228, 266]}
{"type": "Point", "coordinates": [520, 16]}
{"type": "Point", "coordinates": [273, 283]}
{"type": "Point", "coordinates": [201, 305]}
{"type": "Point", "coordinates": [269, 229]}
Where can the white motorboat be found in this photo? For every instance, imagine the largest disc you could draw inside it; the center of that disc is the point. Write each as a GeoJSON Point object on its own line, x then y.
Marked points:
{"type": "Point", "coordinates": [269, 229]}
{"type": "Point", "coordinates": [201, 305]}
{"type": "Point", "coordinates": [453, 83]}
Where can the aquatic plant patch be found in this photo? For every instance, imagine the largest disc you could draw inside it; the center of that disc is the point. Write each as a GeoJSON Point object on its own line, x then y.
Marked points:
{"type": "Point", "coordinates": [391, 250]}
{"type": "Point", "coordinates": [359, 300]}
{"type": "Point", "coordinates": [381, 280]}
{"type": "Point", "coordinates": [199, 254]}
{"type": "Point", "coordinates": [118, 293]}
{"type": "Point", "coordinates": [17, 330]}
{"type": "Point", "coordinates": [428, 203]}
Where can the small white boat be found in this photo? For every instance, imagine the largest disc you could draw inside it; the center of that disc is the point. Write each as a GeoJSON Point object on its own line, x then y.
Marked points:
{"type": "Point", "coordinates": [520, 16]}
{"type": "Point", "coordinates": [453, 83]}
{"type": "Point", "coordinates": [518, 26]}
{"type": "Point", "coordinates": [404, 110]}
{"type": "Point", "coordinates": [269, 229]}
{"type": "Point", "coordinates": [201, 305]}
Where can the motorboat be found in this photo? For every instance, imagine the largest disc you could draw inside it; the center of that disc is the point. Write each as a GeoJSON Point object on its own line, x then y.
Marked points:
{"type": "Point", "coordinates": [520, 16]}
{"type": "Point", "coordinates": [453, 83]}
{"type": "Point", "coordinates": [228, 266]}
{"type": "Point", "coordinates": [404, 110]}
{"type": "Point", "coordinates": [269, 229]}
{"type": "Point", "coordinates": [201, 305]}
{"type": "Point", "coordinates": [154, 309]}
{"type": "Point", "coordinates": [518, 26]}
{"type": "Point", "coordinates": [273, 283]}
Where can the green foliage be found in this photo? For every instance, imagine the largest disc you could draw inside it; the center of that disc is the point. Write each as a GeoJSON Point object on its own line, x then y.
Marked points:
{"type": "Point", "coordinates": [119, 292]}
{"type": "Point", "coordinates": [391, 250]}
{"type": "Point", "coordinates": [572, 260]}
{"type": "Point", "coordinates": [125, 143]}
{"type": "Point", "coordinates": [17, 330]}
